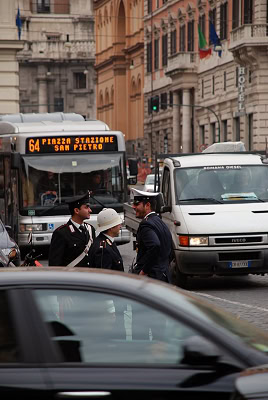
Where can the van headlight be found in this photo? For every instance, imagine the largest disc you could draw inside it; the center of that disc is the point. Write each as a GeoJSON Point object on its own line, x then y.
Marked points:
{"type": "Point", "coordinates": [31, 227]}
{"type": "Point", "coordinates": [192, 241]}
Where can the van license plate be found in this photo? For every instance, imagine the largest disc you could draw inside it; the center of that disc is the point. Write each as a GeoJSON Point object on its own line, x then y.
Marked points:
{"type": "Point", "coordinates": [239, 264]}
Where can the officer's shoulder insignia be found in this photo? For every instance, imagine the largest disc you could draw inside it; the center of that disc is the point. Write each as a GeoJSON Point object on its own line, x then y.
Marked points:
{"type": "Point", "coordinates": [71, 228]}
{"type": "Point", "coordinates": [109, 242]}
{"type": "Point", "coordinates": [102, 244]}
{"type": "Point", "coordinates": [60, 227]}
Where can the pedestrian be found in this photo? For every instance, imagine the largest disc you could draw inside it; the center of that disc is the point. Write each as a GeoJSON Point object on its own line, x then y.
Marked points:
{"type": "Point", "coordinates": [71, 242]}
{"type": "Point", "coordinates": [104, 253]}
{"type": "Point", "coordinates": [154, 241]}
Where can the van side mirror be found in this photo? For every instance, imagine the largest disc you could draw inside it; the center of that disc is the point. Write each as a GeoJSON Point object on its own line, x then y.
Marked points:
{"type": "Point", "coordinates": [165, 209]}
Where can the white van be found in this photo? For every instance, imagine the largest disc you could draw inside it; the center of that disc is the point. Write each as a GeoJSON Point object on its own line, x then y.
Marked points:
{"type": "Point", "coordinates": [216, 207]}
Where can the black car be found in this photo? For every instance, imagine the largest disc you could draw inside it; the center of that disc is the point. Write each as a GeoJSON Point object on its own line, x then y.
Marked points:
{"type": "Point", "coordinates": [7, 244]}
{"type": "Point", "coordinates": [87, 333]}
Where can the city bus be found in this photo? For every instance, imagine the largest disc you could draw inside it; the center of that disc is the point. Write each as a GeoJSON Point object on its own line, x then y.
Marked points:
{"type": "Point", "coordinates": [45, 164]}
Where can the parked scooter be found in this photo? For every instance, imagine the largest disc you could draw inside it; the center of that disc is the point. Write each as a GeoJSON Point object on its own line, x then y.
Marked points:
{"type": "Point", "coordinates": [31, 257]}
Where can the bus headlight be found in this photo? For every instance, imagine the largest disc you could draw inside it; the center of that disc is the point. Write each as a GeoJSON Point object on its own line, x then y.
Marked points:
{"type": "Point", "coordinates": [31, 227]}
{"type": "Point", "coordinates": [187, 241]}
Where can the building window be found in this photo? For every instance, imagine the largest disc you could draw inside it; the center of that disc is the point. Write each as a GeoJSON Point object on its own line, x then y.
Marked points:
{"type": "Point", "coordinates": [213, 84]}
{"type": "Point", "coordinates": [224, 81]}
{"type": "Point", "coordinates": [212, 18]}
{"type": "Point", "coordinates": [173, 42]}
{"type": "Point", "coordinates": [164, 50]}
{"type": "Point", "coordinates": [163, 101]}
{"type": "Point", "coordinates": [236, 77]}
{"type": "Point", "coordinates": [171, 99]}
{"type": "Point", "coordinates": [224, 130]}
{"type": "Point", "coordinates": [165, 142]}
{"type": "Point", "coordinates": [202, 24]}
{"type": "Point", "coordinates": [182, 38]}
{"type": "Point", "coordinates": [149, 57]}
{"type": "Point", "coordinates": [149, 105]}
{"type": "Point", "coordinates": [58, 104]}
{"type": "Point", "coordinates": [223, 20]}
{"type": "Point", "coordinates": [190, 32]}
{"type": "Point", "coordinates": [213, 132]}
{"type": "Point", "coordinates": [156, 54]}
{"type": "Point", "coordinates": [249, 76]}
{"type": "Point", "coordinates": [43, 6]}
{"type": "Point", "coordinates": [202, 135]}
{"type": "Point", "coordinates": [248, 11]}
{"type": "Point", "coordinates": [237, 129]}
{"type": "Point", "coordinates": [250, 132]}
{"type": "Point", "coordinates": [202, 88]}
{"type": "Point", "coordinates": [80, 80]}
{"type": "Point", "coordinates": [149, 6]}
{"type": "Point", "coordinates": [235, 19]}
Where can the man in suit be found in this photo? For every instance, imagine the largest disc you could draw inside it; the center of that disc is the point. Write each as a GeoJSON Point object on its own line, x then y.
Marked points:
{"type": "Point", "coordinates": [71, 242]}
{"type": "Point", "coordinates": [154, 241]}
{"type": "Point", "coordinates": [104, 252]}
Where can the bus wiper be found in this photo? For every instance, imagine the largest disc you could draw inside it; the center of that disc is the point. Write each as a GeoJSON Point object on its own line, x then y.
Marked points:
{"type": "Point", "coordinates": [203, 199]}
{"type": "Point", "coordinates": [53, 207]}
{"type": "Point", "coordinates": [94, 198]}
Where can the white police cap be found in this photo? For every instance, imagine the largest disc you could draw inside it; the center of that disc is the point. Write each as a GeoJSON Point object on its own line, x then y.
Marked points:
{"type": "Point", "coordinates": [139, 195]}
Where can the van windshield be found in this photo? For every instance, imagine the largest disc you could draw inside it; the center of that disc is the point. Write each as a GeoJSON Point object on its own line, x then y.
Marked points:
{"type": "Point", "coordinates": [222, 184]}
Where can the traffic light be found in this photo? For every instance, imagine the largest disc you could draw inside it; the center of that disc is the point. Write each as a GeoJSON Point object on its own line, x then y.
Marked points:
{"type": "Point", "coordinates": [155, 103]}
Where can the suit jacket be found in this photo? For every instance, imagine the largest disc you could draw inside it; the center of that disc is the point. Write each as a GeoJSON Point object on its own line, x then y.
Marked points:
{"type": "Point", "coordinates": [67, 243]}
{"type": "Point", "coordinates": [154, 242]}
{"type": "Point", "coordinates": [104, 254]}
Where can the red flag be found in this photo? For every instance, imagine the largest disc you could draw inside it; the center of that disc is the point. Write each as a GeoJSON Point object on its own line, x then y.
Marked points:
{"type": "Point", "coordinates": [203, 53]}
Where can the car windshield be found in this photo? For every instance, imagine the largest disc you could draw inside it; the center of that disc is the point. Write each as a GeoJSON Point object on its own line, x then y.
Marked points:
{"type": "Point", "coordinates": [52, 180]}
{"type": "Point", "coordinates": [222, 184]}
{"type": "Point", "coordinates": [211, 315]}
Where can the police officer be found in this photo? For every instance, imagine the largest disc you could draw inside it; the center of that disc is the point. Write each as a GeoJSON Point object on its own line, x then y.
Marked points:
{"type": "Point", "coordinates": [71, 242]}
{"type": "Point", "coordinates": [104, 252]}
{"type": "Point", "coordinates": [154, 241]}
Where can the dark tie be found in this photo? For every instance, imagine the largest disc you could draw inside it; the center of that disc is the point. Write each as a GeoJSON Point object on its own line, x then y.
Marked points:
{"type": "Point", "coordinates": [83, 230]}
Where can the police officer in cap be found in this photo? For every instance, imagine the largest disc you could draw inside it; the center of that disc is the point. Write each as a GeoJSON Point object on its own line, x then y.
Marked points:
{"type": "Point", "coordinates": [71, 242]}
{"type": "Point", "coordinates": [104, 252]}
{"type": "Point", "coordinates": [154, 241]}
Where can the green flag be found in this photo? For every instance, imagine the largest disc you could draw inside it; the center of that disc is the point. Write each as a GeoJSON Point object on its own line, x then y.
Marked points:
{"type": "Point", "coordinates": [201, 39]}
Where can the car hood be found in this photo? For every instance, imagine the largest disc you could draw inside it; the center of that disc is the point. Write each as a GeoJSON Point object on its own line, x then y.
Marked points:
{"type": "Point", "coordinates": [221, 218]}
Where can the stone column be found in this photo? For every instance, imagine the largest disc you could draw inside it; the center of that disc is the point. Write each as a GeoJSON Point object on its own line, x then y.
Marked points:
{"type": "Point", "coordinates": [176, 124]}
{"type": "Point", "coordinates": [42, 89]}
{"type": "Point", "coordinates": [186, 122]}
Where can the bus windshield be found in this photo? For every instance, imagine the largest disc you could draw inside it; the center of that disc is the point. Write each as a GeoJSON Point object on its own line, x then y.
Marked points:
{"type": "Point", "coordinates": [48, 182]}
{"type": "Point", "coordinates": [222, 184]}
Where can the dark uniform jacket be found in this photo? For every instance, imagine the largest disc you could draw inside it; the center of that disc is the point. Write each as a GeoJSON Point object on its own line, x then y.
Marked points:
{"type": "Point", "coordinates": [104, 254]}
{"type": "Point", "coordinates": [154, 244]}
{"type": "Point", "coordinates": [67, 243]}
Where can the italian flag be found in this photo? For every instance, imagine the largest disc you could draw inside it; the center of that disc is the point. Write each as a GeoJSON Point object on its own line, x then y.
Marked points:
{"type": "Point", "coordinates": [203, 50]}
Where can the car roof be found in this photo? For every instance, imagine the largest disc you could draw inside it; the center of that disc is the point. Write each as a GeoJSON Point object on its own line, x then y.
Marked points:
{"type": "Point", "coordinates": [128, 284]}
{"type": "Point", "coordinates": [211, 159]}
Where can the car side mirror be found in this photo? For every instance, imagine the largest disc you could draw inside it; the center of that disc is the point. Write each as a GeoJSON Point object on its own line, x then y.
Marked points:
{"type": "Point", "coordinates": [199, 351]}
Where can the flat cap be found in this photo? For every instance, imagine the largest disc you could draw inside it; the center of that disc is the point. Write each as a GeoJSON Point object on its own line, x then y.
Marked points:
{"type": "Point", "coordinates": [79, 201]}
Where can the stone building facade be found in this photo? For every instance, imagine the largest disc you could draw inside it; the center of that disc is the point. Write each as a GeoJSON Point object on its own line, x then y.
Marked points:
{"type": "Point", "coordinates": [56, 64]}
{"type": "Point", "coordinates": [223, 97]}
{"type": "Point", "coordinates": [9, 69]}
{"type": "Point", "coordinates": [120, 68]}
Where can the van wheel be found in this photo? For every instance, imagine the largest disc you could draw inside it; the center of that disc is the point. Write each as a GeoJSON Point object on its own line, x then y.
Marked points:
{"type": "Point", "coordinates": [177, 277]}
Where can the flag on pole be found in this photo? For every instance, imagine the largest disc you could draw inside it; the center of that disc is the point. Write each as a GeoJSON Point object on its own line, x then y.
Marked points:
{"type": "Point", "coordinates": [18, 23]}
{"type": "Point", "coordinates": [214, 38]}
{"type": "Point", "coordinates": [204, 51]}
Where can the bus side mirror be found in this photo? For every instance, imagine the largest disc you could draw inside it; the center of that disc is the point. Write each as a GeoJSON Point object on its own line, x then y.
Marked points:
{"type": "Point", "coordinates": [15, 160]}
{"type": "Point", "coordinates": [133, 166]}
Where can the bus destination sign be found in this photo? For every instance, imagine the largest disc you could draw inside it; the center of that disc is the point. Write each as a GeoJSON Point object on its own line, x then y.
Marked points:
{"type": "Point", "coordinates": [71, 144]}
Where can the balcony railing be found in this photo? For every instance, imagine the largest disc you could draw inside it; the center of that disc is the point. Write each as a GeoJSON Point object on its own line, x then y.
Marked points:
{"type": "Point", "coordinates": [182, 60]}
{"type": "Point", "coordinates": [58, 49]}
{"type": "Point", "coordinates": [253, 34]}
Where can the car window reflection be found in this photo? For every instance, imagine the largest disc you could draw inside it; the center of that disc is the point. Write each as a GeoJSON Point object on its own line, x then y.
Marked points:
{"type": "Point", "coordinates": [99, 328]}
